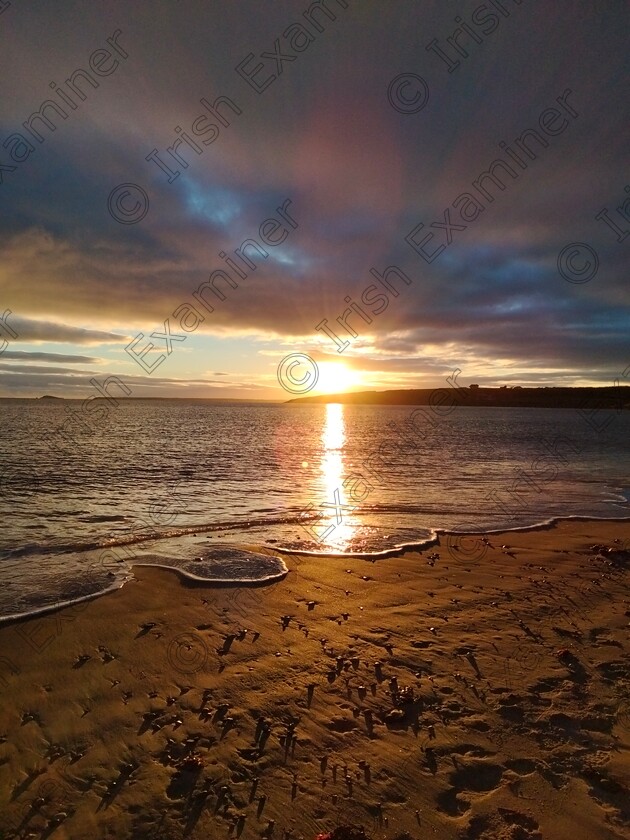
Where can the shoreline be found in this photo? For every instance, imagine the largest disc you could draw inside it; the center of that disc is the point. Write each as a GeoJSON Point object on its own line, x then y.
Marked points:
{"type": "Point", "coordinates": [171, 707]}
{"type": "Point", "coordinates": [280, 552]}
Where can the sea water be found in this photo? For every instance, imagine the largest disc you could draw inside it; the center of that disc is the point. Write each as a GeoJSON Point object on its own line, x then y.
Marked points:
{"type": "Point", "coordinates": [199, 485]}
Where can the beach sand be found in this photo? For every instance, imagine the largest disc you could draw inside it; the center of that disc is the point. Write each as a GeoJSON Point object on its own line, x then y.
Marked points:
{"type": "Point", "coordinates": [500, 709]}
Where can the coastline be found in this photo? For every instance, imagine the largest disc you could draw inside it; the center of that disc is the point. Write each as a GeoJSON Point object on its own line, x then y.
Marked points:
{"type": "Point", "coordinates": [503, 735]}
{"type": "Point", "coordinates": [278, 551]}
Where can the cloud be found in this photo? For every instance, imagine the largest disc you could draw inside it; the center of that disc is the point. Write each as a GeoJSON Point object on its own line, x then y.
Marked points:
{"type": "Point", "coordinates": [47, 369]}
{"type": "Point", "coordinates": [29, 329]}
{"type": "Point", "coordinates": [359, 174]}
{"type": "Point", "coordinates": [27, 355]}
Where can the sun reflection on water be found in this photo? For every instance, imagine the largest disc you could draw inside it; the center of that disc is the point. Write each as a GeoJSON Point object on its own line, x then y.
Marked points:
{"type": "Point", "coordinates": [338, 526]}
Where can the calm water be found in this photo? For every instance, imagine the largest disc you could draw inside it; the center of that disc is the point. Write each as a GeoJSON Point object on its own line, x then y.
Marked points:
{"type": "Point", "coordinates": [196, 478]}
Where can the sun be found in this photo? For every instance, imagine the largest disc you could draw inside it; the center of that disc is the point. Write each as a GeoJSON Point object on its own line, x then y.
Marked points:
{"type": "Point", "coordinates": [335, 377]}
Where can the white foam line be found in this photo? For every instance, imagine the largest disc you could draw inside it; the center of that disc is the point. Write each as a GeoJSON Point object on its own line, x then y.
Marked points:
{"type": "Point", "coordinates": [61, 605]}
{"type": "Point", "coordinates": [232, 580]}
{"type": "Point", "coordinates": [399, 548]}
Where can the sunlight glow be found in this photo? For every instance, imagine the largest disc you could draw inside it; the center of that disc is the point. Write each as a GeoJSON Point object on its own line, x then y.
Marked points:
{"type": "Point", "coordinates": [335, 377]}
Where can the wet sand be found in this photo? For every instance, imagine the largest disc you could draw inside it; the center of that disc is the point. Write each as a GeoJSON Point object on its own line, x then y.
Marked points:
{"type": "Point", "coordinates": [465, 691]}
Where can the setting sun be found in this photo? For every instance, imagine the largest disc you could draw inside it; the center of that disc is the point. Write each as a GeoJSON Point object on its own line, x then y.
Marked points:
{"type": "Point", "coordinates": [335, 377]}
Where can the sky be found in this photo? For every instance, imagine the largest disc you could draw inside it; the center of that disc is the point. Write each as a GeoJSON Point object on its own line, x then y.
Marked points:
{"type": "Point", "coordinates": [314, 148]}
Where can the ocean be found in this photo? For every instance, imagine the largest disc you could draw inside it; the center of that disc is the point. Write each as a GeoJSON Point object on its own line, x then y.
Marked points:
{"type": "Point", "coordinates": [199, 485]}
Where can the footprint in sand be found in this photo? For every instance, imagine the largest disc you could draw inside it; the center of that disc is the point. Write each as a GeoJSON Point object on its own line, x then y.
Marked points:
{"type": "Point", "coordinates": [469, 778]}
{"type": "Point", "coordinates": [610, 794]}
{"type": "Point", "coordinates": [496, 826]}
{"type": "Point", "coordinates": [81, 660]}
{"type": "Point", "coordinates": [106, 655]}
{"type": "Point", "coordinates": [613, 671]}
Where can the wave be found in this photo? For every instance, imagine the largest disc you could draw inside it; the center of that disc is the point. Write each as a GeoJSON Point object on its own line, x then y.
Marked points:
{"type": "Point", "coordinates": [292, 518]}
{"type": "Point", "coordinates": [61, 604]}
{"type": "Point", "coordinates": [238, 566]}
{"type": "Point", "coordinates": [227, 565]}
{"type": "Point", "coordinates": [151, 535]}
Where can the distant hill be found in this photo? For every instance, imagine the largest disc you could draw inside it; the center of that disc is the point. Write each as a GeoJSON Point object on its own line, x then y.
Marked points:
{"type": "Point", "coordinates": [611, 397]}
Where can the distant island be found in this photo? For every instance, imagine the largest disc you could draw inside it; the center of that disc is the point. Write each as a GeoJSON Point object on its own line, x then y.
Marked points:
{"type": "Point", "coordinates": [608, 397]}
{"type": "Point", "coordinates": [48, 397]}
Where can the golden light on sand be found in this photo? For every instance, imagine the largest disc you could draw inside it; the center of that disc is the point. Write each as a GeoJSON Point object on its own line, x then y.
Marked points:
{"type": "Point", "coordinates": [335, 377]}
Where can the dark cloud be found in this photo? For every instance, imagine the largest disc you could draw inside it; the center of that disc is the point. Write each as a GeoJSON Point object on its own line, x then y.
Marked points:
{"type": "Point", "coordinates": [31, 356]}
{"type": "Point", "coordinates": [360, 176]}
{"type": "Point", "coordinates": [47, 369]}
{"type": "Point", "coordinates": [29, 329]}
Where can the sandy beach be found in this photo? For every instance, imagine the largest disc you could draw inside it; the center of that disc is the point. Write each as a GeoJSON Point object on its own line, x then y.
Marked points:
{"type": "Point", "coordinates": [470, 690]}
